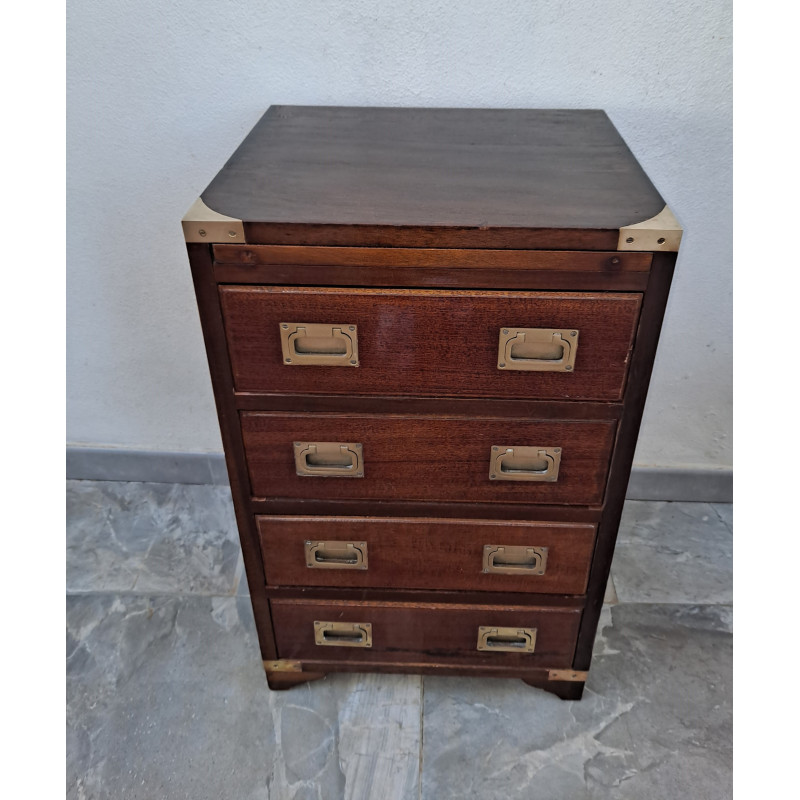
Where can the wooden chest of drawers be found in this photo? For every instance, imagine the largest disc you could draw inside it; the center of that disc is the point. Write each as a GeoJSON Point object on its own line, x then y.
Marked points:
{"type": "Point", "coordinates": [430, 335]}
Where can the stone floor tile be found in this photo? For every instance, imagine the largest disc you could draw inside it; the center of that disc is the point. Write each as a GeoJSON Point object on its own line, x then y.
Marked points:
{"type": "Point", "coordinates": [673, 553]}
{"type": "Point", "coordinates": [655, 720]}
{"type": "Point", "coordinates": [166, 698]}
{"type": "Point", "coordinates": [150, 538]}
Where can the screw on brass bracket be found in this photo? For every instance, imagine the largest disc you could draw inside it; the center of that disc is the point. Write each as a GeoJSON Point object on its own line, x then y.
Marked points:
{"type": "Point", "coordinates": [662, 232]}
{"type": "Point", "coordinates": [567, 675]}
{"type": "Point", "coordinates": [283, 665]}
{"type": "Point", "coordinates": [201, 224]}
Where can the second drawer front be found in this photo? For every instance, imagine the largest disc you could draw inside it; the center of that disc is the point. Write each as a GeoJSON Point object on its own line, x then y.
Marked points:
{"type": "Point", "coordinates": [424, 633]}
{"type": "Point", "coordinates": [479, 555]}
{"type": "Point", "coordinates": [427, 458]}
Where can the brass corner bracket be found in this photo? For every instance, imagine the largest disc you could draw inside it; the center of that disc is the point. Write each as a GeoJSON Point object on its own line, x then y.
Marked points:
{"type": "Point", "coordinates": [283, 665]}
{"type": "Point", "coordinates": [201, 224]}
{"type": "Point", "coordinates": [660, 233]}
{"type": "Point", "coordinates": [567, 675]}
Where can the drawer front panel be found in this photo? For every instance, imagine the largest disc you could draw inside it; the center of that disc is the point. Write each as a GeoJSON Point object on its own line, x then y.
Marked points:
{"type": "Point", "coordinates": [423, 633]}
{"type": "Point", "coordinates": [430, 343]}
{"type": "Point", "coordinates": [410, 553]}
{"type": "Point", "coordinates": [424, 457]}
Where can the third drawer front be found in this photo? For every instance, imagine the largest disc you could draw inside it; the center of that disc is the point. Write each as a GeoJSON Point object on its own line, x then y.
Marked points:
{"type": "Point", "coordinates": [418, 553]}
{"type": "Point", "coordinates": [387, 457]}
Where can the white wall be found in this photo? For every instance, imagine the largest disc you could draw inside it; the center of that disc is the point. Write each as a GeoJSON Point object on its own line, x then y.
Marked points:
{"type": "Point", "coordinates": [160, 94]}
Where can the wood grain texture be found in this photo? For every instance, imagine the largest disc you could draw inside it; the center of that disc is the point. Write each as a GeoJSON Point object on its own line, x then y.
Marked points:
{"type": "Point", "coordinates": [430, 229]}
{"type": "Point", "coordinates": [432, 278]}
{"type": "Point", "coordinates": [425, 258]}
{"type": "Point", "coordinates": [404, 632]}
{"type": "Point", "coordinates": [426, 458]}
{"type": "Point", "coordinates": [478, 236]}
{"type": "Point", "coordinates": [426, 553]}
{"type": "Point", "coordinates": [422, 171]}
{"type": "Point", "coordinates": [434, 343]}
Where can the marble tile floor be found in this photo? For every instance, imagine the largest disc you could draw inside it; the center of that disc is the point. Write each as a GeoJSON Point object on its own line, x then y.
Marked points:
{"type": "Point", "coordinates": [166, 697]}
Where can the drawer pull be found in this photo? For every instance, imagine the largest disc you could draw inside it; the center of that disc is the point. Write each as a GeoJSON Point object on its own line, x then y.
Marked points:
{"type": "Point", "coordinates": [524, 463]}
{"type": "Point", "coordinates": [343, 634]}
{"type": "Point", "coordinates": [336, 555]}
{"type": "Point", "coordinates": [329, 459]}
{"type": "Point", "coordinates": [514, 560]}
{"type": "Point", "coordinates": [304, 343]}
{"type": "Point", "coordinates": [537, 349]}
{"type": "Point", "coordinates": [507, 640]}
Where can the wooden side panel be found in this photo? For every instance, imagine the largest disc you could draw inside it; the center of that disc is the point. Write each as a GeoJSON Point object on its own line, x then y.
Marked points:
{"type": "Point", "coordinates": [426, 458]}
{"type": "Point", "coordinates": [426, 553]}
{"type": "Point", "coordinates": [430, 343]}
{"type": "Point", "coordinates": [219, 367]}
{"type": "Point", "coordinates": [624, 449]}
{"type": "Point", "coordinates": [407, 632]}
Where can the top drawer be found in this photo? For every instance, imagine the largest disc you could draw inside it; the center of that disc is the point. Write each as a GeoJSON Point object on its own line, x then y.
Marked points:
{"type": "Point", "coordinates": [430, 343]}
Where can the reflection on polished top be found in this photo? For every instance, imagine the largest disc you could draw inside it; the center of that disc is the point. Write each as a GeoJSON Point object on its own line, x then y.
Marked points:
{"type": "Point", "coordinates": [478, 168]}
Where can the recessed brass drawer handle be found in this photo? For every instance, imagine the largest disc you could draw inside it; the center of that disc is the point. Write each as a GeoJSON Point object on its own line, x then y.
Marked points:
{"type": "Point", "coordinates": [507, 640]}
{"type": "Point", "coordinates": [343, 634]}
{"type": "Point", "coordinates": [537, 349]}
{"type": "Point", "coordinates": [336, 555]}
{"type": "Point", "coordinates": [329, 459]}
{"type": "Point", "coordinates": [514, 559]}
{"type": "Point", "coordinates": [524, 463]}
{"type": "Point", "coordinates": [320, 345]}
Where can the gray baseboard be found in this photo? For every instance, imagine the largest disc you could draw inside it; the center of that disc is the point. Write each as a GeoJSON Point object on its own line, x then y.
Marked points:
{"type": "Point", "coordinates": [150, 466]}
{"type": "Point", "coordinates": [688, 485]}
{"type": "Point", "coordinates": [147, 466]}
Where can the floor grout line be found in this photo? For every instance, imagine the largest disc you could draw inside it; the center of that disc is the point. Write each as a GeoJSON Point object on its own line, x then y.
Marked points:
{"type": "Point", "coordinates": [421, 729]}
{"type": "Point", "coordinates": [228, 595]}
{"type": "Point", "coordinates": [719, 517]}
{"type": "Point", "coordinates": [149, 593]}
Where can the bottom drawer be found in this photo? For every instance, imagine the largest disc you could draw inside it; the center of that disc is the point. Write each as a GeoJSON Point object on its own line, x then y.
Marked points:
{"type": "Point", "coordinates": [425, 634]}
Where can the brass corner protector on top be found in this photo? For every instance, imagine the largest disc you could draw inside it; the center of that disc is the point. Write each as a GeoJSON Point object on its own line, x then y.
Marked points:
{"type": "Point", "coordinates": [662, 232]}
{"type": "Point", "coordinates": [201, 224]}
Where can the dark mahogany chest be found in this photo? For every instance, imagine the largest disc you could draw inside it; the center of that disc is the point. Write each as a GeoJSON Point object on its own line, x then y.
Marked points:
{"type": "Point", "coordinates": [430, 335]}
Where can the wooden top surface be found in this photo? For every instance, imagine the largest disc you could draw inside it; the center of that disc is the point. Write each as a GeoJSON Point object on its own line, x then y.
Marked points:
{"type": "Point", "coordinates": [456, 168]}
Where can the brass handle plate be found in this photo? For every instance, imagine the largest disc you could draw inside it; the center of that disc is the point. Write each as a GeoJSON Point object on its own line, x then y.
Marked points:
{"type": "Point", "coordinates": [329, 459]}
{"type": "Point", "coordinates": [343, 634]}
{"type": "Point", "coordinates": [329, 345]}
{"type": "Point", "coordinates": [524, 463]}
{"type": "Point", "coordinates": [537, 349]}
{"type": "Point", "coordinates": [514, 559]}
{"type": "Point", "coordinates": [336, 555]}
{"type": "Point", "coordinates": [507, 640]}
